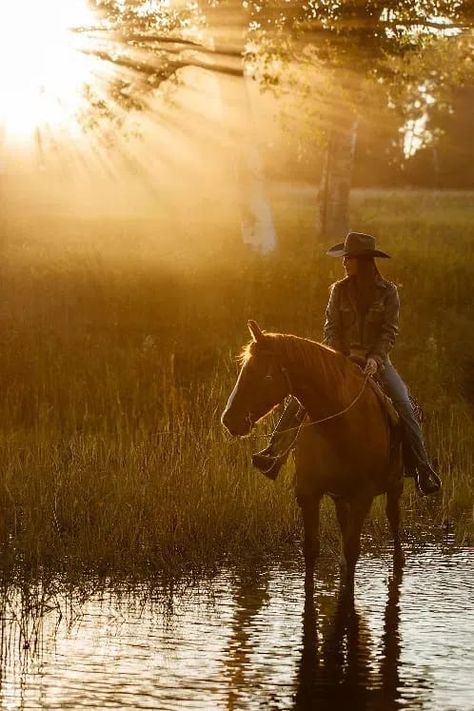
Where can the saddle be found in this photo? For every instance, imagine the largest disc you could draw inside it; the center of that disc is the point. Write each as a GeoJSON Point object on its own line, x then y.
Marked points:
{"type": "Point", "coordinates": [376, 384]}
{"type": "Point", "coordinates": [385, 400]}
{"type": "Point", "coordinates": [396, 436]}
{"type": "Point", "coordinates": [389, 407]}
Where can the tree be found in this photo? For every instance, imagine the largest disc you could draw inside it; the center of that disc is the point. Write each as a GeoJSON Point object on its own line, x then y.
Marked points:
{"type": "Point", "coordinates": [358, 56]}
{"type": "Point", "coordinates": [151, 42]}
{"type": "Point", "coordinates": [351, 56]}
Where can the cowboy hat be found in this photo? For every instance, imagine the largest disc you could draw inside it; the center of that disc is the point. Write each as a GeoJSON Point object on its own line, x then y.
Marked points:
{"type": "Point", "coordinates": [357, 244]}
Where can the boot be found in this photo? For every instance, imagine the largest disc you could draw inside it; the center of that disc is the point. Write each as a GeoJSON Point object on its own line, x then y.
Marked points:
{"type": "Point", "coordinates": [271, 459]}
{"type": "Point", "coordinates": [426, 479]}
{"type": "Point", "coordinates": [415, 457]}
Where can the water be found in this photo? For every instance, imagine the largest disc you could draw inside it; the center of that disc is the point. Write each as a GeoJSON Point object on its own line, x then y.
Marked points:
{"type": "Point", "coordinates": [250, 640]}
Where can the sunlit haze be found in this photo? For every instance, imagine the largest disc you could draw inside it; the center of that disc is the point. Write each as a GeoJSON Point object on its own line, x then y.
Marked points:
{"type": "Point", "coordinates": [181, 526]}
{"type": "Point", "coordinates": [53, 77]}
{"type": "Point", "coordinates": [42, 71]}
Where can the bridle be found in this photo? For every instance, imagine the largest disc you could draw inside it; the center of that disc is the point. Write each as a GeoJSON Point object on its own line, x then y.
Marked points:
{"type": "Point", "coordinates": [328, 418]}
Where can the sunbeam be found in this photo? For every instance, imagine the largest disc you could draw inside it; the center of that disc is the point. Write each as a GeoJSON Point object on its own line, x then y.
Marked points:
{"type": "Point", "coordinates": [42, 67]}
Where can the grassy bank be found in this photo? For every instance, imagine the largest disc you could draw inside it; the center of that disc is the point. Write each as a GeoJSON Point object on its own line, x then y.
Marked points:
{"type": "Point", "coordinates": [116, 359]}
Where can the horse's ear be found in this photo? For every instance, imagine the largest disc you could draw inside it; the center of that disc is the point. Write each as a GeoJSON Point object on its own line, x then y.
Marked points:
{"type": "Point", "coordinates": [256, 332]}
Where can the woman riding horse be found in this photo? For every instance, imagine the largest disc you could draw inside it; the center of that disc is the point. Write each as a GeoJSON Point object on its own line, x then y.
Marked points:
{"type": "Point", "coordinates": [362, 318]}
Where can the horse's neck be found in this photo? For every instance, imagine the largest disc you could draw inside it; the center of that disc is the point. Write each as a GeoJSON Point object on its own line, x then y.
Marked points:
{"type": "Point", "coordinates": [320, 386]}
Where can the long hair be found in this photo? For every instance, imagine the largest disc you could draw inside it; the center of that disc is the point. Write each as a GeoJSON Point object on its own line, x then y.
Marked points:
{"type": "Point", "coordinates": [367, 270]}
{"type": "Point", "coordinates": [366, 277]}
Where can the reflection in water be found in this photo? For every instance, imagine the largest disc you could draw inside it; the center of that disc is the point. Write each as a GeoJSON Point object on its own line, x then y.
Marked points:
{"type": "Point", "coordinates": [391, 646]}
{"type": "Point", "coordinates": [240, 642]}
{"type": "Point", "coordinates": [336, 671]}
{"type": "Point", "coordinates": [249, 596]}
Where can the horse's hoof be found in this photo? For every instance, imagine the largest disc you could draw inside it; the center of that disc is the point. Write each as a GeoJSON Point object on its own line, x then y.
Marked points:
{"type": "Point", "coordinates": [346, 589]}
{"type": "Point", "coordinates": [399, 556]}
{"type": "Point", "coordinates": [309, 583]}
{"type": "Point", "coordinates": [309, 569]}
{"type": "Point", "coordinates": [348, 574]}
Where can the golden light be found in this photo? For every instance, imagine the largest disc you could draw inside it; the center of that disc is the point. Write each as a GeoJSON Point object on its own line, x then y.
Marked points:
{"type": "Point", "coordinates": [42, 71]}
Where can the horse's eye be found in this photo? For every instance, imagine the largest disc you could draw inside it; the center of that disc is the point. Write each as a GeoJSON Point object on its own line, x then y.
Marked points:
{"type": "Point", "coordinates": [268, 377]}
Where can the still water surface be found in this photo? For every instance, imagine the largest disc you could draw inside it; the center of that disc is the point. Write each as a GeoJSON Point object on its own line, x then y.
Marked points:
{"type": "Point", "coordinates": [251, 640]}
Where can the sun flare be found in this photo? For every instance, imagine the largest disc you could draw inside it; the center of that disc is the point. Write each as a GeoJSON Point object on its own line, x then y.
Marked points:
{"type": "Point", "coordinates": [42, 70]}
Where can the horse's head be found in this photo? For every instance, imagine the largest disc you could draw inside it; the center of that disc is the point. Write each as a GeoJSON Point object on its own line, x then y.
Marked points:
{"type": "Point", "coordinates": [260, 386]}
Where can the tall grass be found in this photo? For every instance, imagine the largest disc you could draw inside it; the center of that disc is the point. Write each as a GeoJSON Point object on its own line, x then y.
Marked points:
{"type": "Point", "coordinates": [116, 360]}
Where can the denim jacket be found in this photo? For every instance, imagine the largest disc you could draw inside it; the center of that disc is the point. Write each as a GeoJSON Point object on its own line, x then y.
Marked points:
{"type": "Point", "coordinates": [347, 330]}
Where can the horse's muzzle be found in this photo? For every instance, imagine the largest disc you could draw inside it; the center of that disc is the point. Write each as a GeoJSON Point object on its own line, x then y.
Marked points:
{"type": "Point", "coordinates": [237, 427]}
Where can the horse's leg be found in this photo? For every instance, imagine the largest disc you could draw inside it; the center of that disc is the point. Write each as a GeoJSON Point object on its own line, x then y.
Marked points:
{"type": "Point", "coordinates": [358, 510]}
{"type": "Point", "coordinates": [392, 509]}
{"type": "Point", "coordinates": [342, 514]}
{"type": "Point", "coordinates": [310, 511]}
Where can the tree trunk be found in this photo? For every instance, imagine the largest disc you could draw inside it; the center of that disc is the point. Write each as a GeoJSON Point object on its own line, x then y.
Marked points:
{"type": "Point", "coordinates": [256, 218]}
{"type": "Point", "coordinates": [256, 215]}
{"type": "Point", "coordinates": [336, 180]}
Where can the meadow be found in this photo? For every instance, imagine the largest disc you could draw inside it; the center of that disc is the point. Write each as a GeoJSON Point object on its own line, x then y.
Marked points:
{"type": "Point", "coordinates": [118, 350]}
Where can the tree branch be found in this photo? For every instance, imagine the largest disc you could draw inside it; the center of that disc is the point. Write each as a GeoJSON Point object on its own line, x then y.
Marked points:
{"type": "Point", "coordinates": [160, 71]}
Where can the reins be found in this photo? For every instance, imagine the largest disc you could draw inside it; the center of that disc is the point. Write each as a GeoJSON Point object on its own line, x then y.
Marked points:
{"type": "Point", "coordinates": [328, 417]}
{"type": "Point", "coordinates": [312, 423]}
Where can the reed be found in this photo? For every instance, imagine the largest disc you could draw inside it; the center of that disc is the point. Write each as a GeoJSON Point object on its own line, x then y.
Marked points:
{"type": "Point", "coordinates": [115, 363]}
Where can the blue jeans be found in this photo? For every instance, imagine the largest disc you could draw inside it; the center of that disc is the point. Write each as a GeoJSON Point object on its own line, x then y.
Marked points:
{"type": "Point", "coordinates": [412, 434]}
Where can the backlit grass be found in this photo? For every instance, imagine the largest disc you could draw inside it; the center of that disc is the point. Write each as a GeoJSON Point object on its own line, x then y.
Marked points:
{"type": "Point", "coordinates": [115, 363]}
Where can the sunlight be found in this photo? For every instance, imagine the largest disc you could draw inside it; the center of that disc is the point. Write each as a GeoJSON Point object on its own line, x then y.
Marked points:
{"type": "Point", "coordinates": [41, 70]}
{"type": "Point", "coordinates": [414, 135]}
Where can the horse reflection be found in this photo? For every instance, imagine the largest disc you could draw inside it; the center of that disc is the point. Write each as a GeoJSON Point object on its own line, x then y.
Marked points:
{"type": "Point", "coordinates": [337, 672]}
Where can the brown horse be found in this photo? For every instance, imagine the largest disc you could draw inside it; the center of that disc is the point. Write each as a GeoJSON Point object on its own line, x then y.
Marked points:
{"type": "Point", "coordinates": [348, 456]}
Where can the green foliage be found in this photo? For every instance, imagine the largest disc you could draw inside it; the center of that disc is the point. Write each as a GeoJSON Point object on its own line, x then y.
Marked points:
{"type": "Point", "coordinates": [358, 59]}
{"type": "Point", "coordinates": [449, 161]}
{"type": "Point", "coordinates": [335, 59]}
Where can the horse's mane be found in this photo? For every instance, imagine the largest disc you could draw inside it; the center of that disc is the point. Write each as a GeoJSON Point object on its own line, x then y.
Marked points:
{"type": "Point", "coordinates": [303, 353]}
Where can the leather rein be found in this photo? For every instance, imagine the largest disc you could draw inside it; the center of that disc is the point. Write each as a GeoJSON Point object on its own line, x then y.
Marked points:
{"type": "Point", "coordinates": [299, 427]}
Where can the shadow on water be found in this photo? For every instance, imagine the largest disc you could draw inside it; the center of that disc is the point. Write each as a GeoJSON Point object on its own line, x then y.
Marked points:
{"type": "Point", "coordinates": [336, 669]}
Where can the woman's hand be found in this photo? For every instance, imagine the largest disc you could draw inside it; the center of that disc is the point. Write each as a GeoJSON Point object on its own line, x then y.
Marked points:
{"type": "Point", "coordinates": [371, 366]}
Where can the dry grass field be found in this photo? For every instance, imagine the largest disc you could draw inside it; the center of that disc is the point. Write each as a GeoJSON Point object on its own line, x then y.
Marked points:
{"type": "Point", "coordinates": [117, 353]}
